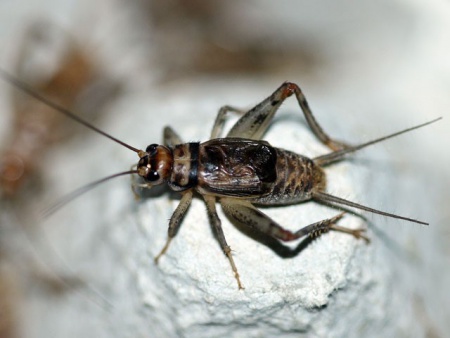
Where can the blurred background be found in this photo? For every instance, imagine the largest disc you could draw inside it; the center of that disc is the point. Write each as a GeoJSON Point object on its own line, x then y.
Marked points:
{"type": "Point", "coordinates": [372, 67]}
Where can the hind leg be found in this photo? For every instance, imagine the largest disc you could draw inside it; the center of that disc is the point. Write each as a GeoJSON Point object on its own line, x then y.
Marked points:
{"type": "Point", "coordinates": [255, 122]}
{"type": "Point", "coordinates": [245, 213]}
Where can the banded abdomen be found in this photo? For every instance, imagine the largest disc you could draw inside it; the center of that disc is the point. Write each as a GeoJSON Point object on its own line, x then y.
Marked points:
{"type": "Point", "coordinates": [297, 177]}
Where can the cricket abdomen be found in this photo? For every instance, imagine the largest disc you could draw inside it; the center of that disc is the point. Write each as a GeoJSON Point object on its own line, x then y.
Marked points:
{"type": "Point", "coordinates": [297, 177]}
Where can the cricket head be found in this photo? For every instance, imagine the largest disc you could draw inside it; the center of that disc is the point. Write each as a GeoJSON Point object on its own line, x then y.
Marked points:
{"type": "Point", "coordinates": [155, 164]}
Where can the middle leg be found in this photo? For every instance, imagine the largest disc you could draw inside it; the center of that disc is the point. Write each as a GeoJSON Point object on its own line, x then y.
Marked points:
{"type": "Point", "coordinates": [221, 118]}
{"type": "Point", "coordinates": [217, 224]}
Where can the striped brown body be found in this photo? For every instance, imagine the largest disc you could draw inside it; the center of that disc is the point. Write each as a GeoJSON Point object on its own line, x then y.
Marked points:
{"type": "Point", "coordinates": [243, 168]}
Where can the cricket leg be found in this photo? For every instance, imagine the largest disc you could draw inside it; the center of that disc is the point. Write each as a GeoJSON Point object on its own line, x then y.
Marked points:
{"type": "Point", "coordinates": [221, 118]}
{"type": "Point", "coordinates": [255, 122]}
{"type": "Point", "coordinates": [171, 137]}
{"type": "Point", "coordinates": [245, 213]}
{"type": "Point", "coordinates": [175, 220]}
{"type": "Point", "coordinates": [210, 202]}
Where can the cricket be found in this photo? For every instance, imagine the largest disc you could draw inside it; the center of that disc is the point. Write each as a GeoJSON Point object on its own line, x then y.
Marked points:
{"type": "Point", "coordinates": [240, 170]}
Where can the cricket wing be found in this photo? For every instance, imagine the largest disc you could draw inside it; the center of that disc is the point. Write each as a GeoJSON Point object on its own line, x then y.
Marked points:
{"type": "Point", "coordinates": [236, 167]}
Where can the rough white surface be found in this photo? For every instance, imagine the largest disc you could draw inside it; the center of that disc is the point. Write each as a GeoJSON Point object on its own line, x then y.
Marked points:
{"type": "Point", "coordinates": [334, 287]}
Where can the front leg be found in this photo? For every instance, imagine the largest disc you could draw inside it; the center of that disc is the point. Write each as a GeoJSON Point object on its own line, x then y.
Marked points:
{"type": "Point", "coordinates": [175, 220]}
{"type": "Point", "coordinates": [170, 137]}
{"type": "Point", "coordinates": [255, 122]}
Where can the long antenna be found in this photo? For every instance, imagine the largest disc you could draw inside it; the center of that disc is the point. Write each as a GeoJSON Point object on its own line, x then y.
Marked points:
{"type": "Point", "coordinates": [74, 194]}
{"type": "Point", "coordinates": [28, 90]}
{"type": "Point", "coordinates": [337, 155]}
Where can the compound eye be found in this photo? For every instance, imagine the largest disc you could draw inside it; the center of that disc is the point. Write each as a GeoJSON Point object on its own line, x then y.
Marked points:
{"type": "Point", "coordinates": [153, 176]}
{"type": "Point", "coordinates": [151, 149]}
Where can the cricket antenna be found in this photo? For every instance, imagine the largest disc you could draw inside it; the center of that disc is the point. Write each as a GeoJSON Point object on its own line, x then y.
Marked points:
{"type": "Point", "coordinates": [337, 155]}
{"type": "Point", "coordinates": [333, 200]}
{"type": "Point", "coordinates": [74, 194]}
{"type": "Point", "coordinates": [31, 92]}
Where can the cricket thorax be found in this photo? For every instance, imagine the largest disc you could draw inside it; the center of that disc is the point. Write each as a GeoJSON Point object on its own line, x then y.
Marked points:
{"type": "Point", "coordinates": [236, 167]}
{"type": "Point", "coordinates": [185, 166]}
{"type": "Point", "coordinates": [297, 177]}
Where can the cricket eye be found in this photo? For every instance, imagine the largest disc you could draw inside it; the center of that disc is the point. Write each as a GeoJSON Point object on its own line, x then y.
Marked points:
{"type": "Point", "coordinates": [152, 176]}
{"type": "Point", "coordinates": [147, 172]}
{"type": "Point", "coordinates": [151, 149]}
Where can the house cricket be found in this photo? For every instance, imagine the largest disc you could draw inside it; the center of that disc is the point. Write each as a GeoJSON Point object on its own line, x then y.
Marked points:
{"type": "Point", "coordinates": [240, 171]}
